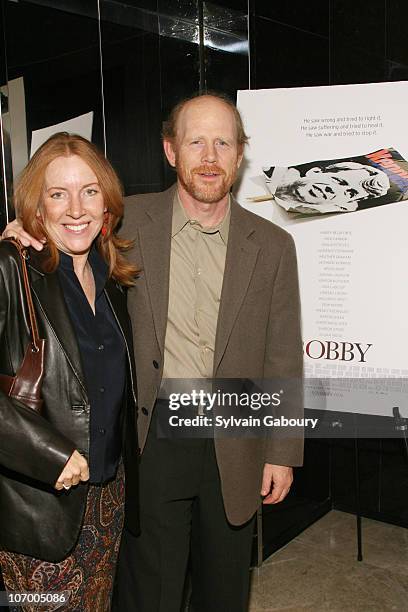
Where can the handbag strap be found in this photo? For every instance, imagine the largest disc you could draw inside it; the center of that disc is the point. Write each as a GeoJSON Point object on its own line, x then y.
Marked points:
{"type": "Point", "coordinates": [24, 255]}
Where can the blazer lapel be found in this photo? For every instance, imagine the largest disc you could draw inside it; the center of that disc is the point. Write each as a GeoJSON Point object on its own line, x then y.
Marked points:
{"type": "Point", "coordinates": [155, 244]}
{"type": "Point", "coordinates": [47, 291]}
{"type": "Point", "coordinates": [240, 261]}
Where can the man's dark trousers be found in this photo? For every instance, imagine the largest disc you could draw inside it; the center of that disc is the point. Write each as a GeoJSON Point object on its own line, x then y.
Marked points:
{"type": "Point", "coordinates": [182, 513]}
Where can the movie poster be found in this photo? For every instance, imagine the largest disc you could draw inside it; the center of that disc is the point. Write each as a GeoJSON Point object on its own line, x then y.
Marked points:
{"type": "Point", "coordinates": [330, 165]}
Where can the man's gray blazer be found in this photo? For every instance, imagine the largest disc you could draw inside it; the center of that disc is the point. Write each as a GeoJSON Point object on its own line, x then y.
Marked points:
{"type": "Point", "coordinates": [258, 331]}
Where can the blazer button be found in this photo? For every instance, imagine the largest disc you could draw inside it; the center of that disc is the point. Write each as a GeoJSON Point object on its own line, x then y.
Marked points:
{"type": "Point", "coordinates": [155, 364]}
{"type": "Point", "coordinates": [145, 411]}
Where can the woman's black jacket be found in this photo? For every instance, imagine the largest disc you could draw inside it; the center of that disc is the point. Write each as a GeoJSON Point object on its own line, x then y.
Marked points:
{"type": "Point", "coordinates": [35, 519]}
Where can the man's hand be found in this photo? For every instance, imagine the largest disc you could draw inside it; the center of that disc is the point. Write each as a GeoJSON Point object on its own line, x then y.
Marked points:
{"type": "Point", "coordinates": [14, 229]}
{"type": "Point", "coordinates": [276, 481]}
{"type": "Point", "coordinates": [76, 469]}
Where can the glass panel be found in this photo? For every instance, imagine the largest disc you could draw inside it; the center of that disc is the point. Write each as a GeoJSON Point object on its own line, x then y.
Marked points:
{"type": "Point", "coordinates": [275, 66]}
{"type": "Point", "coordinates": [6, 207]}
{"type": "Point", "coordinates": [6, 210]}
{"type": "Point", "coordinates": [358, 41]}
{"type": "Point", "coordinates": [179, 50]}
{"type": "Point", "coordinates": [150, 60]}
{"type": "Point", "coordinates": [53, 65]}
{"type": "Point", "coordinates": [226, 49]}
{"type": "Point", "coordinates": [131, 72]}
{"type": "Point", "coordinates": [307, 16]}
{"type": "Point", "coordinates": [179, 56]}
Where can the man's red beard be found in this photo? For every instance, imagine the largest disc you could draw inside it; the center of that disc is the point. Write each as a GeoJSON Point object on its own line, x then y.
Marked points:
{"type": "Point", "coordinates": [200, 191]}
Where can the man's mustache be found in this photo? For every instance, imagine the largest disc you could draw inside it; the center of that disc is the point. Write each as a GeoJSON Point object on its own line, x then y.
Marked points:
{"type": "Point", "coordinates": [208, 170]}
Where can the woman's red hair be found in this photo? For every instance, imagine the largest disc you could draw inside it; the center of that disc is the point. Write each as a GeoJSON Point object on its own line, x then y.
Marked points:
{"type": "Point", "coordinates": [29, 192]}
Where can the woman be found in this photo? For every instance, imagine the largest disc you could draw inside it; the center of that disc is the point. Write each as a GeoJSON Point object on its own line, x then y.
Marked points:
{"type": "Point", "coordinates": [62, 470]}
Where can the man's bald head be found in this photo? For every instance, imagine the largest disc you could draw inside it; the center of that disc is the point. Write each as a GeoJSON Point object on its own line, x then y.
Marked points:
{"type": "Point", "coordinates": [171, 125]}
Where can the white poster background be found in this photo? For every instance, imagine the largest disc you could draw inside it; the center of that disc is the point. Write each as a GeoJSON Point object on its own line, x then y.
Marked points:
{"type": "Point", "coordinates": [360, 295]}
{"type": "Point", "coordinates": [81, 125]}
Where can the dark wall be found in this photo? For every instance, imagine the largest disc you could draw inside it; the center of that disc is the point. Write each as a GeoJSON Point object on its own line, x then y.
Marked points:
{"type": "Point", "coordinates": [328, 42]}
{"type": "Point", "coordinates": [154, 52]}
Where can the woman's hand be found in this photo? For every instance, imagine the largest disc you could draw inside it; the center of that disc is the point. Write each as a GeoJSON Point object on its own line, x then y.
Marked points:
{"type": "Point", "coordinates": [76, 469]}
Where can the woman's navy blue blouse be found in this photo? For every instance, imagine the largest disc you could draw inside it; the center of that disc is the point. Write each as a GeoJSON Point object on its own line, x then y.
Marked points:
{"type": "Point", "coordinates": [103, 357]}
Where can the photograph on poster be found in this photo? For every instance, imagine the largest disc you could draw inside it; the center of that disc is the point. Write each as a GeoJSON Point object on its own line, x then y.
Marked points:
{"type": "Point", "coordinates": [339, 185]}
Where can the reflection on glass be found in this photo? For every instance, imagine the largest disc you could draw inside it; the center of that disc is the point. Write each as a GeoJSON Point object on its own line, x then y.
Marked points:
{"type": "Point", "coordinates": [150, 58]}
{"type": "Point", "coordinates": [225, 29]}
{"type": "Point", "coordinates": [226, 49]}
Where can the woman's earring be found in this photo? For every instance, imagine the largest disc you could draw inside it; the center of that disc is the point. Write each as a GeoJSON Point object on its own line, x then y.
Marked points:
{"type": "Point", "coordinates": [104, 229]}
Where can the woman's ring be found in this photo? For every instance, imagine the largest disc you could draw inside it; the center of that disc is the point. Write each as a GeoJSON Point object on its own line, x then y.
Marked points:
{"type": "Point", "coordinates": [66, 486]}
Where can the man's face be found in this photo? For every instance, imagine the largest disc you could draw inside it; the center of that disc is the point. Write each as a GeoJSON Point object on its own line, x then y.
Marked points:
{"type": "Point", "coordinates": [205, 152]}
{"type": "Point", "coordinates": [336, 188]}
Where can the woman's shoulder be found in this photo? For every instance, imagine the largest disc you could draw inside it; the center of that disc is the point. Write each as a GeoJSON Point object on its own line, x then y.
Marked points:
{"type": "Point", "coordinates": [9, 253]}
{"type": "Point", "coordinates": [11, 260]}
{"type": "Point", "coordinates": [10, 257]}
{"type": "Point", "coordinates": [10, 264]}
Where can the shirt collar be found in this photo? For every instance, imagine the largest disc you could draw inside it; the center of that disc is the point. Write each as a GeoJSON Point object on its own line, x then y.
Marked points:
{"type": "Point", "coordinates": [98, 265]}
{"type": "Point", "coordinates": [180, 220]}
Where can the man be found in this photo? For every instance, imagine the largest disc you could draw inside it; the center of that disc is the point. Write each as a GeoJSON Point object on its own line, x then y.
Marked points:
{"type": "Point", "coordinates": [217, 297]}
{"type": "Point", "coordinates": [205, 260]}
{"type": "Point", "coordinates": [336, 188]}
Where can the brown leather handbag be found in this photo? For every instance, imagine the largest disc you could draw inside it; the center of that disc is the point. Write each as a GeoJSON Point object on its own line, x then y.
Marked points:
{"type": "Point", "coordinates": [25, 386]}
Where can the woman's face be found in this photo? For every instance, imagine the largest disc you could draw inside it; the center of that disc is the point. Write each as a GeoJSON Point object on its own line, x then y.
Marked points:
{"type": "Point", "coordinates": [72, 206]}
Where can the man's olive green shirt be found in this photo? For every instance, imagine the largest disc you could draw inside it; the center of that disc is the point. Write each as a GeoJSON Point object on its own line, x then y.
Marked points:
{"type": "Point", "coordinates": [197, 262]}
